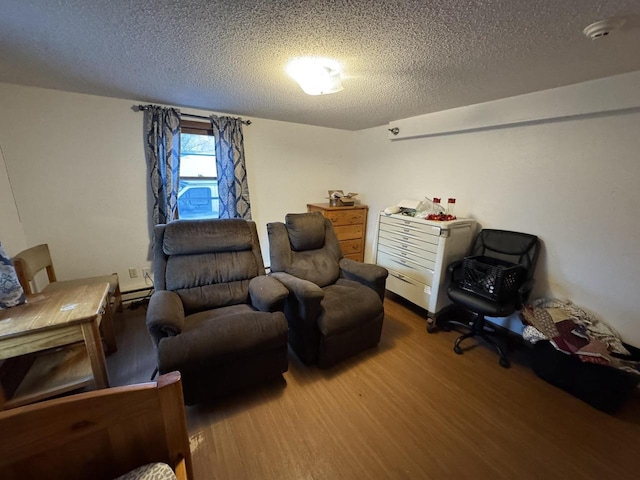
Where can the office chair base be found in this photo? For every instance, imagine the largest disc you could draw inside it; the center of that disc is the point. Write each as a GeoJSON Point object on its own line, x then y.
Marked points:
{"type": "Point", "coordinates": [478, 329]}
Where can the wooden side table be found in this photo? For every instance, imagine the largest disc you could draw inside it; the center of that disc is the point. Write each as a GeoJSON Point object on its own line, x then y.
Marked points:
{"type": "Point", "coordinates": [350, 225]}
{"type": "Point", "coordinates": [64, 326]}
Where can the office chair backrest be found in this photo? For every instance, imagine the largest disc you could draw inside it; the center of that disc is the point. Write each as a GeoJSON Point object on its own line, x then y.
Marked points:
{"type": "Point", "coordinates": [514, 247]}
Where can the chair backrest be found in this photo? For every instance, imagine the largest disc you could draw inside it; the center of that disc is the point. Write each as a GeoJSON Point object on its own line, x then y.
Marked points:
{"type": "Point", "coordinates": [31, 261]}
{"type": "Point", "coordinates": [514, 247]}
{"type": "Point", "coordinates": [208, 263]}
{"type": "Point", "coordinates": [306, 247]}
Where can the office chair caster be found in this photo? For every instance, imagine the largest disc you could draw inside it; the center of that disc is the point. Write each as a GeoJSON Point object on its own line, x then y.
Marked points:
{"type": "Point", "coordinates": [504, 362]}
{"type": "Point", "coordinates": [431, 325]}
{"type": "Point", "coordinates": [457, 349]}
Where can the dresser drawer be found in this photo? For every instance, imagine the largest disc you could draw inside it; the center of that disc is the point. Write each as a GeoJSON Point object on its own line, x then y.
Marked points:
{"type": "Point", "coordinates": [350, 247]}
{"type": "Point", "coordinates": [349, 232]}
{"type": "Point", "coordinates": [346, 217]}
{"type": "Point", "coordinates": [405, 267]}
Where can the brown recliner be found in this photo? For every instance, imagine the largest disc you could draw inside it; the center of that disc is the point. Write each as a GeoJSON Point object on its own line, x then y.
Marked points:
{"type": "Point", "coordinates": [215, 316]}
{"type": "Point", "coordinates": [334, 307]}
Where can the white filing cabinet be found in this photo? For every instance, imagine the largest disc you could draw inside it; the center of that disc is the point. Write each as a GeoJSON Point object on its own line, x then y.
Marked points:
{"type": "Point", "coordinates": [417, 252]}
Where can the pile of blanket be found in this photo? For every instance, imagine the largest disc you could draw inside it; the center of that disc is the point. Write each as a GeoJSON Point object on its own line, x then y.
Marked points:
{"type": "Point", "coordinates": [575, 331]}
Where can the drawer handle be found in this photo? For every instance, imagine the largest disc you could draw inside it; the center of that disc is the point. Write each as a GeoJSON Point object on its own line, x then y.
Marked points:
{"type": "Point", "coordinates": [401, 277]}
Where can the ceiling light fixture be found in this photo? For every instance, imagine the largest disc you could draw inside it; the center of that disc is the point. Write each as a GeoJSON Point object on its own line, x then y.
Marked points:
{"type": "Point", "coordinates": [603, 28]}
{"type": "Point", "coordinates": [316, 76]}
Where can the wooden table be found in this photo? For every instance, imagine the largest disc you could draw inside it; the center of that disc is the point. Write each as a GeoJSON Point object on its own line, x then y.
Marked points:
{"type": "Point", "coordinates": [64, 326]}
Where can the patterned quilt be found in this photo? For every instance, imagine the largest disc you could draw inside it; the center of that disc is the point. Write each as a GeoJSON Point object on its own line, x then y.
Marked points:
{"type": "Point", "coordinates": [575, 331]}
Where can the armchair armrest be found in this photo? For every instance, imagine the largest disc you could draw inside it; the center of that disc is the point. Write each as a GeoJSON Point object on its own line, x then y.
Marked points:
{"type": "Point", "coordinates": [373, 276]}
{"type": "Point", "coordinates": [303, 290]}
{"type": "Point", "coordinates": [267, 293]}
{"type": "Point", "coordinates": [165, 315]}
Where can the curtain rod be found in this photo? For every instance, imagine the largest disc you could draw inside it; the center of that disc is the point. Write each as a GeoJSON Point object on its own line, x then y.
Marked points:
{"type": "Point", "coordinates": [146, 107]}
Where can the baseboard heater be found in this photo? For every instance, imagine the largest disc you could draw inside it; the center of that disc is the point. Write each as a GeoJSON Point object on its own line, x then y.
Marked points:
{"type": "Point", "coordinates": [137, 294]}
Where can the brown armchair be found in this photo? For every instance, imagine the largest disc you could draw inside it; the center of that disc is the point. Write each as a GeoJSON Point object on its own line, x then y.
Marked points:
{"type": "Point", "coordinates": [215, 316]}
{"type": "Point", "coordinates": [334, 307]}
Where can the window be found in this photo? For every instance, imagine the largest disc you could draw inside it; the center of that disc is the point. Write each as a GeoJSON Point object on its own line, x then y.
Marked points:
{"type": "Point", "coordinates": [198, 192]}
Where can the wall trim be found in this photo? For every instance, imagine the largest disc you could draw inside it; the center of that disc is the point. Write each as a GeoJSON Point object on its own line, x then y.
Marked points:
{"type": "Point", "coordinates": [563, 103]}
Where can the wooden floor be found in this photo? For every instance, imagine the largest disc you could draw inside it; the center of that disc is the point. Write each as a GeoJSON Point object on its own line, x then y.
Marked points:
{"type": "Point", "coordinates": [410, 409]}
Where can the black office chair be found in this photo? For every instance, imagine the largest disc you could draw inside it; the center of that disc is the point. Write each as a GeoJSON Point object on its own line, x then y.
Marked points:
{"type": "Point", "coordinates": [474, 287]}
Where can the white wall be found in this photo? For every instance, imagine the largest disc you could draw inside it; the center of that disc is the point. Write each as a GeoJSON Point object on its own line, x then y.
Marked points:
{"type": "Point", "coordinates": [573, 183]}
{"type": "Point", "coordinates": [78, 170]}
{"type": "Point", "coordinates": [11, 231]}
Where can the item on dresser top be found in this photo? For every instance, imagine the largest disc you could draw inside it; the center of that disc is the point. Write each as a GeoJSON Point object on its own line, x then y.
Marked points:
{"type": "Point", "coordinates": [416, 252]}
{"type": "Point", "coordinates": [392, 209]}
{"type": "Point", "coordinates": [337, 198]}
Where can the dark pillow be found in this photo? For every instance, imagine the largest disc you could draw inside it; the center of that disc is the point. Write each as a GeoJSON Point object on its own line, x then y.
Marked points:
{"type": "Point", "coordinates": [11, 293]}
{"type": "Point", "coordinates": [306, 230]}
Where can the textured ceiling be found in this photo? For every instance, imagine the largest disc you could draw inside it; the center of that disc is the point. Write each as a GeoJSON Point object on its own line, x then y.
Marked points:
{"type": "Point", "coordinates": [401, 58]}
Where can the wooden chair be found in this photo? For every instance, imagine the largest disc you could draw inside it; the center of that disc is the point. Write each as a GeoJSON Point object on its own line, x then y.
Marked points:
{"type": "Point", "coordinates": [30, 262]}
{"type": "Point", "coordinates": [100, 435]}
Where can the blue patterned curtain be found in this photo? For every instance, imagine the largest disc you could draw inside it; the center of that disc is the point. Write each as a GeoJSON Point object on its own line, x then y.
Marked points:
{"type": "Point", "coordinates": [162, 149]}
{"type": "Point", "coordinates": [233, 188]}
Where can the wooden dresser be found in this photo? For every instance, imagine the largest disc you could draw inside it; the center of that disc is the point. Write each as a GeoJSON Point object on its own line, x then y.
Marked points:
{"type": "Point", "coordinates": [350, 225]}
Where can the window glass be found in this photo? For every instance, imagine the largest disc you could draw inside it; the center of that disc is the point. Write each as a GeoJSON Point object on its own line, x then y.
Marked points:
{"type": "Point", "coordinates": [198, 193]}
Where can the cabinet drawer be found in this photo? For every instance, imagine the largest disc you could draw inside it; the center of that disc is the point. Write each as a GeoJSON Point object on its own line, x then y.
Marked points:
{"type": "Point", "coordinates": [346, 217]}
{"type": "Point", "coordinates": [409, 240]}
{"type": "Point", "coordinates": [426, 259]}
{"type": "Point", "coordinates": [411, 233]}
{"type": "Point", "coordinates": [349, 232]}
{"type": "Point", "coordinates": [404, 225]}
{"type": "Point", "coordinates": [349, 247]}
{"type": "Point", "coordinates": [406, 267]}
{"type": "Point", "coordinates": [408, 288]}
{"type": "Point", "coordinates": [428, 253]}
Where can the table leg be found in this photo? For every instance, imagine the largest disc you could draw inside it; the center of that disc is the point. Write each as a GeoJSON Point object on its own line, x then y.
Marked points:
{"type": "Point", "coordinates": [93, 342]}
{"type": "Point", "coordinates": [108, 330]}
